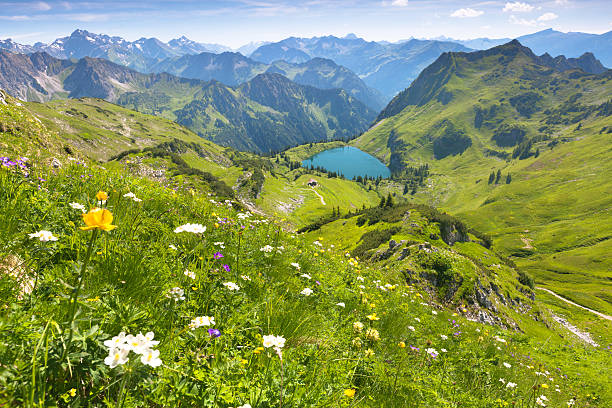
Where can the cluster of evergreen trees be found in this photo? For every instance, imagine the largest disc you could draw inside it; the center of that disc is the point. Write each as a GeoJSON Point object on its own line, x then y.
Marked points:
{"type": "Point", "coordinates": [495, 178]}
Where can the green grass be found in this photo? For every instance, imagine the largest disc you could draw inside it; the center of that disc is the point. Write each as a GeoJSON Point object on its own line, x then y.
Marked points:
{"type": "Point", "coordinates": [132, 268]}
{"type": "Point", "coordinates": [559, 201]}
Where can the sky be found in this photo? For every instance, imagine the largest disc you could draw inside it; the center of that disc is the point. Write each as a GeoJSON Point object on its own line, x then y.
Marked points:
{"type": "Point", "coordinates": [237, 22]}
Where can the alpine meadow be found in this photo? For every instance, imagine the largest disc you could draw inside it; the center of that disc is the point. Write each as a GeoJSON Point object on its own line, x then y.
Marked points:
{"type": "Point", "coordinates": [233, 204]}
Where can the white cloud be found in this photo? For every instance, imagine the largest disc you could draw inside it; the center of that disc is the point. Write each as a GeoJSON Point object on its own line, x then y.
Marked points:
{"type": "Point", "coordinates": [41, 6]}
{"type": "Point", "coordinates": [521, 21]}
{"type": "Point", "coordinates": [561, 2]}
{"type": "Point", "coordinates": [466, 13]}
{"type": "Point", "coordinates": [518, 7]}
{"type": "Point", "coordinates": [547, 17]}
{"type": "Point", "coordinates": [15, 18]}
{"type": "Point", "coordinates": [399, 3]}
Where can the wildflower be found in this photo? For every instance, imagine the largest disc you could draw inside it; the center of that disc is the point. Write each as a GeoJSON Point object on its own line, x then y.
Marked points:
{"type": "Point", "coordinates": [98, 218]}
{"type": "Point", "coordinates": [214, 333]}
{"type": "Point", "coordinates": [443, 350]}
{"type": "Point", "coordinates": [341, 304]}
{"type": "Point", "coordinates": [411, 328]}
{"type": "Point", "coordinates": [273, 341]}
{"type": "Point", "coordinates": [190, 274]}
{"type": "Point", "coordinates": [102, 196]}
{"type": "Point", "coordinates": [360, 278]}
{"type": "Point", "coordinates": [432, 352]}
{"type": "Point", "coordinates": [245, 406]}
{"type": "Point", "coordinates": [43, 236]}
{"type": "Point", "coordinates": [140, 343]}
{"type": "Point", "coordinates": [296, 265]}
{"type": "Point", "coordinates": [350, 392]}
{"type": "Point", "coordinates": [116, 341]}
{"type": "Point", "coordinates": [510, 385]}
{"type": "Point", "coordinates": [417, 319]}
{"type": "Point", "coordinates": [133, 197]}
{"type": "Point", "coordinates": [369, 353]}
{"type": "Point", "coordinates": [401, 344]}
{"type": "Point", "coordinates": [201, 321]}
{"type": "Point", "coordinates": [544, 386]}
{"type": "Point", "coordinates": [116, 356]}
{"type": "Point", "coordinates": [72, 392]}
{"type": "Point", "coordinates": [373, 317]}
{"type": "Point", "coordinates": [357, 327]}
{"type": "Point", "coordinates": [219, 244]}
{"type": "Point", "coordinates": [357, 343]}
{"type": "Point", "coordinates": [245, 277]}
{"type": "Point", "coordinates": [433, 312]}
{"type": "Point", "coordinates": [541, 400]}
{"type": "Point", "coordinates": [218, 255]}
{"type": "Point", "coordinates": [306, 292]}
{"type": "Point", "coordinates": [372, 334]}
{"type": "Point", "coordinates": [193, 228]}
{"type": "Point", "coordinates": [77, 206]}
{"type": "Point", "coordinates": [151, 358]}
{"type": "Point", "coordinates": [172, 247]}
{"type": "Point", "coordinates": [501, 380]}
{"type": "Point", "coordinates": [258, 350]}
{"type": "Point", "coordinates": [266, 249]}
{"type": "Point", "coordinates": [176, 294]}
{"type": "Point", "coordinates": [231, 286]}
{"type": "Point", "coordinates": [306, 276]}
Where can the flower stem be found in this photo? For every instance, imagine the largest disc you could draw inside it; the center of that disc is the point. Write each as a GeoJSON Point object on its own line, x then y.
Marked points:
{"type": "Point", "coordinates": [75, 293]}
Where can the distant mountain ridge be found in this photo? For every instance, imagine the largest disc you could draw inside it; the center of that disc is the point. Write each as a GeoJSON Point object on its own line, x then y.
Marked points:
{"type": "Point", "coordinates": [429, 83]}
{"type": "Point", "coordinates": [138, 54]}
{"type": "Point", "coordinates": [571, 44]}
{"type": "Point", "coordinates": [233, 69]}
{"type": "Point", "coordinates": [269, 112]}
{"type": "Point", "coordinates": [387, 67]}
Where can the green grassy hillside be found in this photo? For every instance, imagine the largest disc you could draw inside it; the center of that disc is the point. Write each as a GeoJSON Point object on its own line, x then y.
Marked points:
{"type": "Point", "coordinates": [209, 298]}
{"type": "Point", "coordinates": [547, 133]}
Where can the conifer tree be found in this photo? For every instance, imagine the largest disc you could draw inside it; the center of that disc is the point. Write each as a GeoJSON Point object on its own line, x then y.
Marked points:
{"type": "Point", "coordinates": [508, 179]}
{"type": "Point", "coordinates": [498, 176]}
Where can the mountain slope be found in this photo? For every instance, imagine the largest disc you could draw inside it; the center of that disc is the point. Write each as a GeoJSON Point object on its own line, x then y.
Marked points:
{"type": "Point", "coordinates": [387, 67]}
{"type": "Point", "coordinates": [235, 69]}
{"type": "Point", "coordinates": [282, 114]}
{"type": "Point", "coordinates": [538, 131]}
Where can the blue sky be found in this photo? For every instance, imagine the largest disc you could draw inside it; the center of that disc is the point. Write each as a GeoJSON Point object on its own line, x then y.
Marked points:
{"type": "Point", "coordinates": [237, 22]}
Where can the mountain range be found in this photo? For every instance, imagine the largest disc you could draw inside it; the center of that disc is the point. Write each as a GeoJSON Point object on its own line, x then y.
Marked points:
{"type": "Point", "coordinates": [270, 112]}
{"type": "Point", "coordinates": [379, 69]}
{"type": "Point", "coordinates": [138, 54]}
{"type": "Point", "coordinates": [387, 67]}
{"type": "Point", "coordinates": [233, 68]}
{"type": "Point", "coordinates": [549, 41]}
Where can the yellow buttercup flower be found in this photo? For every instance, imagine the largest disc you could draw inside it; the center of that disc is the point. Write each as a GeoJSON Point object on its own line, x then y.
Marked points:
{"type": "Point", "coordinates": [401, 344]}
{"type": "Point", "coordinates": [102, 196]}
{"type": "Point", "coordinates": [373, 317]}
{"type": "Point", "coordinates": [350, 392]}
{"type": "Point", "coordinates": [72, 392]}
{"type": "Point", "coordinates": [98, 218]}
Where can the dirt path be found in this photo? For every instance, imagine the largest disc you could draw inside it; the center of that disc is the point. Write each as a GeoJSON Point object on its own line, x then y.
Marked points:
{"type": "Point", "coordinates": [605, 316]}
{"type": "Point", "coordinates": [318, 195]}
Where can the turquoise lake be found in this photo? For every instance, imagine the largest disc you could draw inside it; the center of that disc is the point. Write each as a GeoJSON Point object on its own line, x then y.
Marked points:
{"type": "Point", "coordinates": [349, 161]}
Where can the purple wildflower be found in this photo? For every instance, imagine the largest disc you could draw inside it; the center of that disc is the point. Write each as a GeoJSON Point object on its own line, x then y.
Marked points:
{"type": "Point", "coordinates": [227, 268]}
{"type": "Point", "coordinates": [218, 255]}
{"type": "Point", "coordinates": [214, 332]}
